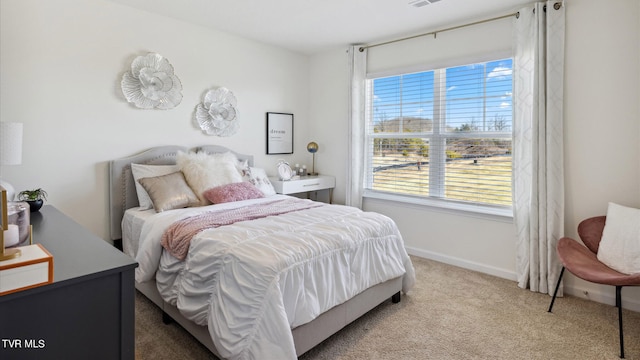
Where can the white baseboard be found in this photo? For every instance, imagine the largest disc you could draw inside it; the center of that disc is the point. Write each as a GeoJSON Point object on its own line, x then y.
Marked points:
{"type": "Point", "coordinates": [595, 293]}
{"type": "Point", "coordinates": [465, 264]}
{"type": "Point", "coordinates": [602, 294]}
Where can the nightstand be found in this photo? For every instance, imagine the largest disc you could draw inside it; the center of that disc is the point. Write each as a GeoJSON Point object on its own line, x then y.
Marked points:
{"type": "Point", "coordinates": [305, 184]}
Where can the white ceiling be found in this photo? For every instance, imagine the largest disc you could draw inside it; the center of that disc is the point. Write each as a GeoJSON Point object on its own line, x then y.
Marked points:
{"type": "Point", "coordinates": [312, 26]}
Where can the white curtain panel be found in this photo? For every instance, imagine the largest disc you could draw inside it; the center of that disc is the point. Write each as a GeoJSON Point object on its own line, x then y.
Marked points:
{"type": "Point", "coordinates": [355, 164]}
{"type": "Point", "coordinates": [538, 185]}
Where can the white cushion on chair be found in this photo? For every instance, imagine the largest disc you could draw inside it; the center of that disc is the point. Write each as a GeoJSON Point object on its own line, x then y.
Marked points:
{"type": "Point", "coordinates": [620, 245]}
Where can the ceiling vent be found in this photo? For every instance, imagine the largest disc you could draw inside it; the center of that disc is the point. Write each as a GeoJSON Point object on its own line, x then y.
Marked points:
{"type": "Point", "coordinates": [421, 3]}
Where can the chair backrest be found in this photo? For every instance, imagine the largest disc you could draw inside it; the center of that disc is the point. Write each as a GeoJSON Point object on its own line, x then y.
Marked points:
{"type": "Point", "coordinates": [590, 231]}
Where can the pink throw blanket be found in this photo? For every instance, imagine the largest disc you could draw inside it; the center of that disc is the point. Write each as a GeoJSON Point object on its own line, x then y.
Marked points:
{"type": "Point", "coordinates": [177, 238]}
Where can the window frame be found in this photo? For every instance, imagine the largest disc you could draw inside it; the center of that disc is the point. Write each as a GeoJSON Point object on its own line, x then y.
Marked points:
{"type": "Point", "coordinates": [496, 212]}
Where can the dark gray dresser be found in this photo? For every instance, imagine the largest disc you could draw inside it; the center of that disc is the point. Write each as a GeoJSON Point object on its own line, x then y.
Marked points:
{"type": "Point", "coordinates": [88, 310]}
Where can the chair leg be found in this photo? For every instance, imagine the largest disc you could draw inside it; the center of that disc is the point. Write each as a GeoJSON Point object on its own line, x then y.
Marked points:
{"type": "Point", "coordinates": [619, 306]}
{"type": "Point", "coordinates": [556, 291]}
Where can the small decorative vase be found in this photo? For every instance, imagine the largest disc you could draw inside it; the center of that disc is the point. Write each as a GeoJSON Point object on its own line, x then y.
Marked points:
{"type": "Point", "coordinates": [35, 205]}
{"type": "Point", "coordinates": [18, 219]}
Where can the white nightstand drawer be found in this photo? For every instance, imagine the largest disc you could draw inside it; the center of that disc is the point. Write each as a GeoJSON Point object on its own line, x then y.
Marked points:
{"type": "Point", "coordinates": [305, 184]}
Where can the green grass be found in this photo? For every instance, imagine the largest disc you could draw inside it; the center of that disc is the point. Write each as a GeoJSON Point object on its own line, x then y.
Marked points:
{"type": "Point", "coordinates": [488, 181]}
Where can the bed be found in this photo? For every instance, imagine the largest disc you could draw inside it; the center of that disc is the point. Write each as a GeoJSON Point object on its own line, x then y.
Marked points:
{"type": "Point", "coordinates": [242, 305]}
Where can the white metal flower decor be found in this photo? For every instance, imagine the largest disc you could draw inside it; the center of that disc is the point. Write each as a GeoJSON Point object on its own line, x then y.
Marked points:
{"type": "Point", "coordinates": [217, 114]}
{"type": "Point", "coordinates": [151, 83]}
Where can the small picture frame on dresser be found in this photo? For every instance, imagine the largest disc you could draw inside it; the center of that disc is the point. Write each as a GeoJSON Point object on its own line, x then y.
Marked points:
{"type": "Point", "coordinates": [279, 133]}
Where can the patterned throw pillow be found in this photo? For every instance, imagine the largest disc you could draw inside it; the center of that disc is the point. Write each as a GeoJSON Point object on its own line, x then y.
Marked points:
{"type": "Point", "coordinates": [258, 177]}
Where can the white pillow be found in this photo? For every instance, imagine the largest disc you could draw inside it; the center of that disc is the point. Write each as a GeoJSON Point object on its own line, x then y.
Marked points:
{"type": "Point", "coordinates": [203, 171]}
{"type": "Point", "coordinates": [140, 171]}
{"type": "Point", "coordinates": [620, 245]}
{"type": "Point", "coordinates": [259, 178]}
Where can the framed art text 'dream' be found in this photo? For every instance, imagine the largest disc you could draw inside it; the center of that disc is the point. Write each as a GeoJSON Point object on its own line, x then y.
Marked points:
{"type": "Point", "coordinates": [279, 133]}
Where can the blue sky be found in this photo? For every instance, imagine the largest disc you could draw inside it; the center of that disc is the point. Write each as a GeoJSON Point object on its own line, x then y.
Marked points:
{"type": "Point", "coordinates": [465, 89]}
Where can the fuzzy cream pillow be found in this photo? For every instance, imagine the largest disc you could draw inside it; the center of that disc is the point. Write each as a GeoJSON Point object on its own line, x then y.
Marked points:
{"type": "Point", "coordinates": [204, 171]}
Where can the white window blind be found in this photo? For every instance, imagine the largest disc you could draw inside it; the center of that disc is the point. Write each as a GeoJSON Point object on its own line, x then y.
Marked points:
{"type": "Point", "coordinates": [443, 134]}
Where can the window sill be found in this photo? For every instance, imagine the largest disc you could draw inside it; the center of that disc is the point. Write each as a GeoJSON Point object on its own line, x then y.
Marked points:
{"type": "Point", "coordinates": [502, 214]}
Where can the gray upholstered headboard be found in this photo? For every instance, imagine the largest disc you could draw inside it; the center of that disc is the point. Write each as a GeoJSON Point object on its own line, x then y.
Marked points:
{"type": "Point", "coordinates": [122, 189]}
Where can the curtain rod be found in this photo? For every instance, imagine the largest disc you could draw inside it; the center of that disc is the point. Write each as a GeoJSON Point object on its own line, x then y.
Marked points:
{"type": "Point", "coordinates": [556, 6]}
{"type": "Point", "coordinates": [434, 33]}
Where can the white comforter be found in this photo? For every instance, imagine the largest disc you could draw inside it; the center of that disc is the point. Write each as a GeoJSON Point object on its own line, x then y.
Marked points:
{"type": "Point", "coordinates": [253, 281]}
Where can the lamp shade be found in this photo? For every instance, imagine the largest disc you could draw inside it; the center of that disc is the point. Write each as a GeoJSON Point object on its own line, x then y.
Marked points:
{"type": "Point", "coordinates": [10, 143]}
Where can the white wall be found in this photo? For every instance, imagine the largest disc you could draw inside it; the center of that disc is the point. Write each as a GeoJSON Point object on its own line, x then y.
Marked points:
{"type": "Point", "coordinates": [328, 114]}
{"type": "Point", "coordinates": [61, 63]}
{"type": "Point", "coordinates": [602, 119]}
{"type": "Point", "coordinates": [602, 152]}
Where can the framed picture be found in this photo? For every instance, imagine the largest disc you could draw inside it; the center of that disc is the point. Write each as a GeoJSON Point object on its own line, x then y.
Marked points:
{"type": "Point", "coordinates": [279, 133]}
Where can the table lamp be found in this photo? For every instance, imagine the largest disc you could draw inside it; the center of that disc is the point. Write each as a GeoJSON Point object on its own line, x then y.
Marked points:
{"type": "Point", "coordinates": [10, 150]}
{"type": "Point", "coordinates": [312, 147]}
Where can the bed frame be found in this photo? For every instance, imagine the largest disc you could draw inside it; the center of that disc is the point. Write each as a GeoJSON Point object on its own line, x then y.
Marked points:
{"type": "Point", "coordinates": [123, 196]}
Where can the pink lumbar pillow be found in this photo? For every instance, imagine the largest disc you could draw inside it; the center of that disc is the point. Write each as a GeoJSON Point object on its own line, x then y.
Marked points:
{"type": "Point", "coordinates": [233, 192]}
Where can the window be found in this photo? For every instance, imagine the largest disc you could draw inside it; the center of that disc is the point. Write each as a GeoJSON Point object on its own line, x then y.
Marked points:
{"type": "Point", "coordinates": [443, 134]}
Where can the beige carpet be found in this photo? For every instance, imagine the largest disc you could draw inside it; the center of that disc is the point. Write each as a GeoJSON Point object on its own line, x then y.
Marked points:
{"type": "Point", "coordinates": [451, 313]}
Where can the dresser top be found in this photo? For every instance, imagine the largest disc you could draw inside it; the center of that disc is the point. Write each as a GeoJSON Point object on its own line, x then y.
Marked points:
{"type": "Point", "coordinates": [78, 254]}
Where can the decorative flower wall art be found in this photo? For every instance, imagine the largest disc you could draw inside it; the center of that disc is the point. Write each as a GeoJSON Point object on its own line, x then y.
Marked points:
{"type": "Point", "coordinates": [151, 83]}
{"type": "Point", "coordinates": [217, 114]}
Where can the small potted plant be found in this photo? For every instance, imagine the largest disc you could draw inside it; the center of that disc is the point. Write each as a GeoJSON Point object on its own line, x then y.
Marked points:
{"type": "Point", "coordinates": [35, 198]}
